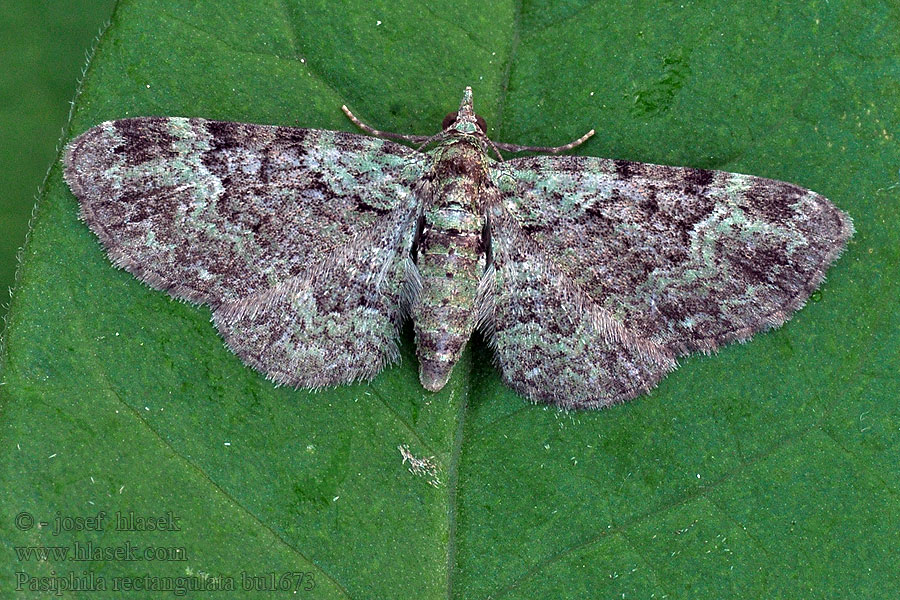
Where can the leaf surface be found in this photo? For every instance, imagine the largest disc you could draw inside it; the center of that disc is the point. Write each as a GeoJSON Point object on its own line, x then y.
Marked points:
{"type": "Point", "coordinates": [767, 470]}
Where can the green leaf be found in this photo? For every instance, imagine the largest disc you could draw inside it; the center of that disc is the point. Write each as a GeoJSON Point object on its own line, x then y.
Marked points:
{"type": "Point", "coordinates": [42, 54]}
{"type": "Point", "coordinates": [768, 470]}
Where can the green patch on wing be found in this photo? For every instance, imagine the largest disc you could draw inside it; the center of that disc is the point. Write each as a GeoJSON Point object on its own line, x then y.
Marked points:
{"type": "Point", "coordinates": [767, 470]}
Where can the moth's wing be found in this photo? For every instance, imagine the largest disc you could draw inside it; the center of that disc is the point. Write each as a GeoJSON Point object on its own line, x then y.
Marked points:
{"type": "Point", "coordinates": [214, 211]}
{"type": "Point", "coordinates": [336, 322]}
{"type": "Point", "coordinates": [552, 343]}
{"type": "Point", "coordinates": [690, 259]}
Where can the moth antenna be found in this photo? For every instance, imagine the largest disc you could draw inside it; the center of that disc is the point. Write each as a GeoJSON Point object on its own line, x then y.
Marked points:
{"type": "Point", "coordinates": [390, 233]}
{"type": "Point", "coordinates": [415, 139]}
{"type": "Point", "coordinates": [546, 149]}
{"type": "Point", "coordinates": [429, 139]}
{"type": "Point", "coordinates": [494, 146]}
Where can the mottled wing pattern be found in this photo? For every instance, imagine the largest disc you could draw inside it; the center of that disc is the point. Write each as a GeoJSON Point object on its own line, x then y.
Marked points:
{"type": "Point", "coordinates": [689, 259]}
{"type": "Point", "coordinates": [336, 322]}
{"type": "Point", "coordinates": [552, 343]}
{"type": "Point", "coordinates": [213, 211]}
{"type": "Point", "coordinates": [299, 239]}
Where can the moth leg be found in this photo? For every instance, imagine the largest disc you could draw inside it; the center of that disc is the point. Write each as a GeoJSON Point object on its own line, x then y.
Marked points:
{"type": "Point", "coordinates": [544, 149]}
{"type": "Point", "coordinates": [415, 139]}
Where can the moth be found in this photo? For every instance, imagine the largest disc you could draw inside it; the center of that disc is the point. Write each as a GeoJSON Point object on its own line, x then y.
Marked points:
{"type": "Point", "coordinates": [587, 276]}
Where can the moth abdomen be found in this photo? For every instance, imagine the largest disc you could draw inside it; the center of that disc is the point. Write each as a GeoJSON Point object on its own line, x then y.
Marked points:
{"type": "Point", "coordinates": [588, 276]}
{"type": "Point", "coordinates": [451, 263]}
{"type": "Point", "coordinates": [451, 258]}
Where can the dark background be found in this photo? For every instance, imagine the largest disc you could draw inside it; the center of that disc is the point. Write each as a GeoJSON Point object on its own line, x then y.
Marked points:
{"type": "Point", "coordinates": [41, 57]}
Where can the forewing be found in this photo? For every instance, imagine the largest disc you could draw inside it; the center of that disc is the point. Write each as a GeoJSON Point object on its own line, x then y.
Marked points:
{"type": "Point", "coordinates": [688, 258]}
{"type": "Point", "coordinates": [552, 343]}
{"type": "Point", "coordinates": [336, 322]}
{"type": "Point", "coordinates": [213, 211]}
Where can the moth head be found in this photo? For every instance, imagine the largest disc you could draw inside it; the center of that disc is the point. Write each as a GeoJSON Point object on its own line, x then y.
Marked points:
{"type": "Point", "coordinates": [465, 120]}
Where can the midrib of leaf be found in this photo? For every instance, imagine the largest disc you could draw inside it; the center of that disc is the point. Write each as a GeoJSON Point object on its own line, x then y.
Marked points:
{"type": "Point", "coordinates": [453, 479]}
{"type": "Point", "coordinates": [514, 39]}
{"type": "Point", "coordinates": [460, 435]}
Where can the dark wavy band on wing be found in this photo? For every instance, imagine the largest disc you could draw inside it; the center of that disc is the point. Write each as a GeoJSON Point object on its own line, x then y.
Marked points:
{"type": "Point", "coordinates": [213, 211]}
{"type": "Point", "coordinates": [551, 342]}
{"type": "Point", "coordinates": [689, 258]}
